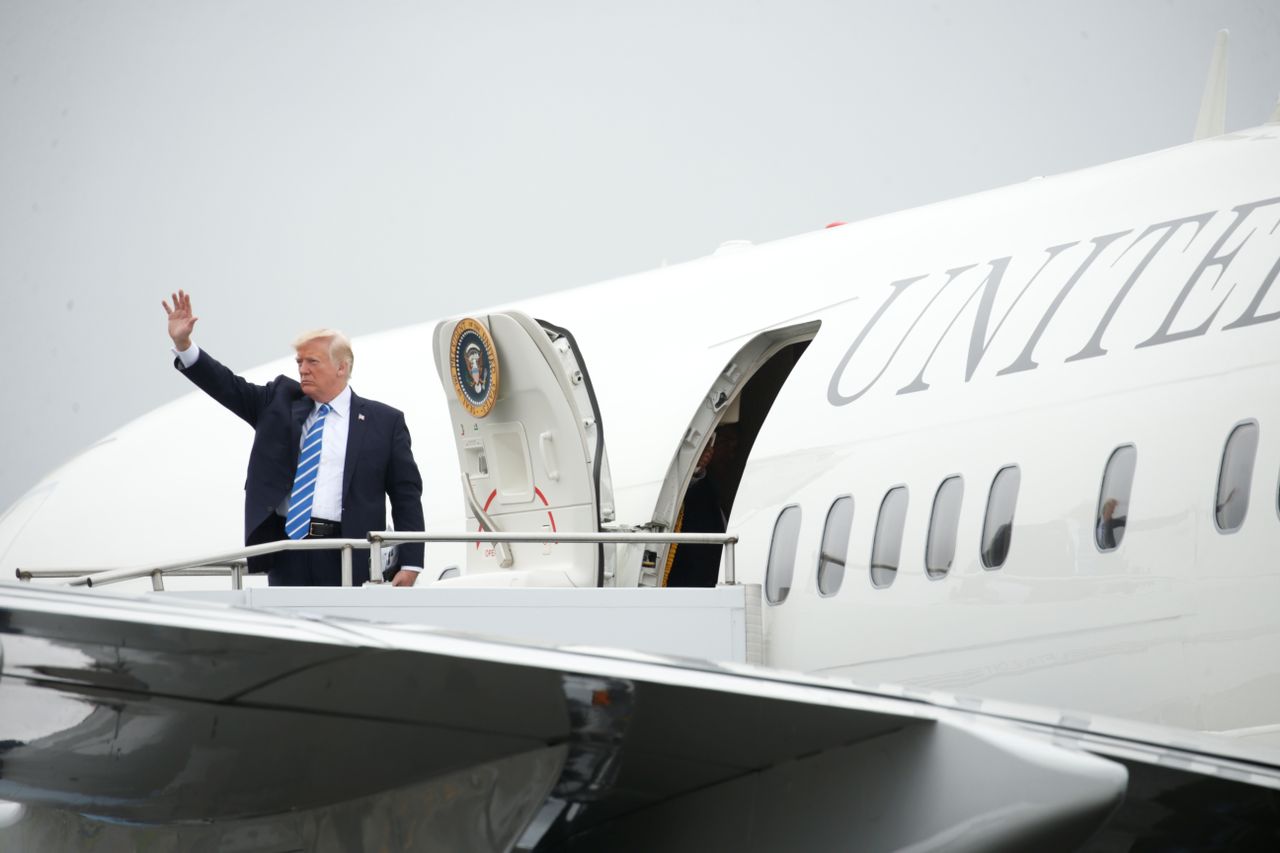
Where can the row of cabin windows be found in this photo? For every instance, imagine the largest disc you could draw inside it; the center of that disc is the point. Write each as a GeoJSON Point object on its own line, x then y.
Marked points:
{"type": "Point", "coordinates": [1235, 476]}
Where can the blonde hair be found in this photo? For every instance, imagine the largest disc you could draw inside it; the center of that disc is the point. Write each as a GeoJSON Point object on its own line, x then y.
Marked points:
{"type": "Point", "coordinates": [339, 345]}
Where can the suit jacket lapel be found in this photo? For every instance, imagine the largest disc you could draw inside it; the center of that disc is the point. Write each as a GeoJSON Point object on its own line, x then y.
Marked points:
{"type": "Point", "coordinates": [355, 440]}
{"type": "Point", "coordinates": [300, 409]}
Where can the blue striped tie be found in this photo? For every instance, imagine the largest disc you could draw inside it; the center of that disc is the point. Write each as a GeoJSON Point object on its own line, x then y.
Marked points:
{"type": "Point", "coordinates": [298, 522]}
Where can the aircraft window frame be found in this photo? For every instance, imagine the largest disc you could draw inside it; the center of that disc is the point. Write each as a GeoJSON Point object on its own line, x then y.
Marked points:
{"type": "Point", "coordinates": [1228, 457]}
{"type": "Point", "coordinates": [772, 585]}
{"type": "Point", "coordinates": [831, 566]}
{"type": "Point", "coordinates": [877, 570]}
{"type": "Point", "coordinates": [1109, 491]}
{"type": "Point", "coordinates": [986, 544]}
{"type": "Point", "coordinates": [936, 570]}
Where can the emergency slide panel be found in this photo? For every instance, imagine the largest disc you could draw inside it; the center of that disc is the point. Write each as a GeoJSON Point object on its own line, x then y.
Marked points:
{"type": "Point", "coordinates": [527, 441]}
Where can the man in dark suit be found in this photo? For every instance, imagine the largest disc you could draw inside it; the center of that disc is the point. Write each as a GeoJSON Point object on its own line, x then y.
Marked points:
{"type": "Point", "coordinates": [324, 460]}
{"type": "Point", "coordinates": [702, 512]}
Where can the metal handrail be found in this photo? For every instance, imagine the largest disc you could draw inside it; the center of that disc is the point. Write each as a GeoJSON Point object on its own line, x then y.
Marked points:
{"type": "Point", "coordinates": [207, 570]}
{"type": "Point", "coordinates": [231, 558]}
{"type": "Point", "coordinates": [377, 539]}
{"type": "Point", "coordinates": [233, 562]}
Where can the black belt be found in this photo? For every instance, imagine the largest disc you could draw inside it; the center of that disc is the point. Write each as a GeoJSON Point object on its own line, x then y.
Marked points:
{"type": "Point", "coordinates": [324, 529]}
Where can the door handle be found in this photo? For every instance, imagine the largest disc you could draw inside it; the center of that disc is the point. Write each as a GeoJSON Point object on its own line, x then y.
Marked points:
{"type": "Point", "coordinates": [550, 462]}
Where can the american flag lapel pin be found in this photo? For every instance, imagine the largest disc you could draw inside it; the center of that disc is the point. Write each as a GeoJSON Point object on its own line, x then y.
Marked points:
{"type": "Point", "coordinates": [360, 416]}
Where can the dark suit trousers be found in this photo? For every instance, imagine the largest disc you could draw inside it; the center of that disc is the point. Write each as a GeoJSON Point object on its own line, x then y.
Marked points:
{"type": "Point", "coordinates": [307, 568]}
{"type": "Point", "coordinates": [300, 568]}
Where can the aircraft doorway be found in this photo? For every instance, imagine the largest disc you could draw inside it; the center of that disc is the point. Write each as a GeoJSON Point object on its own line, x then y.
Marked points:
{"type": "Point", "coordinates": [702, 480]}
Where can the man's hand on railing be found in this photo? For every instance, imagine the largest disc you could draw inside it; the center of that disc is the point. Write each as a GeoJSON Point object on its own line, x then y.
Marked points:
{"type": "Point", "coordinates": [404, 577]}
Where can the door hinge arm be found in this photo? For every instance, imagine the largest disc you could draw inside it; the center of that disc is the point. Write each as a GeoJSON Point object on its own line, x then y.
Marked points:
{"type": "Point", "coordinates": [505, 558]}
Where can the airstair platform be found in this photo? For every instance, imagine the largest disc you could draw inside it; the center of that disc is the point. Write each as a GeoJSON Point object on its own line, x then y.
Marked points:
{"type": "Point", "coordinates": [716, 624]}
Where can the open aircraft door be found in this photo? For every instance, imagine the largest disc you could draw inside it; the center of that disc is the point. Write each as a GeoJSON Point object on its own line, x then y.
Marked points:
{"type": "Point", "coordinates": [530, 447]}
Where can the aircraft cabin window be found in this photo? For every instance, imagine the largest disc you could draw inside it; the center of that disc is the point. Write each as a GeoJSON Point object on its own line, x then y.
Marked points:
{"type": "Point", "coordinates": [1235, 477]}
{"type": "Point", "coordinates": [886, 550]}
{"type": "Point", "coordinates": [782, 555]}
{"type": "Point", "coordinates": [940, 550]}
{"type": "Point", "coordinates": [1113, 499]}
{"type": "Point", "coordinates": [997, 527]}
{"type": "Point", "coordinates": [835, 546]}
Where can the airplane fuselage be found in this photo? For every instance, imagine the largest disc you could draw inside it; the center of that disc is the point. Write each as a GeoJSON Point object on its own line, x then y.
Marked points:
{"type": "Point", "coordinates": [1044, 329]}
{"type": "Point", "coordinates": [1034, 330]}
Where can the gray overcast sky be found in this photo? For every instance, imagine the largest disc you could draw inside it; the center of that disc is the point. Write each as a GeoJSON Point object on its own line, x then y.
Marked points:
{"type": "Point", "coordinates": [300, 163]}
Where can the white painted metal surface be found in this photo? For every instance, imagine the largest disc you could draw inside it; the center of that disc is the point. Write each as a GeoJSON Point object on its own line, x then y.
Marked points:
{"type": "Point", "coordinates": [531, 463]}
{"type": "Point", "coordinates": [708, 624]}
{"type": "Point", "coordinates": [1041, 325]}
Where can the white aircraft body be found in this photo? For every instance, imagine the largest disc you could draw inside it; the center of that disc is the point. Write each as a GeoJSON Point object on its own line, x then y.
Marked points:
{"type": "Point", "coordinates": [1018, 446]}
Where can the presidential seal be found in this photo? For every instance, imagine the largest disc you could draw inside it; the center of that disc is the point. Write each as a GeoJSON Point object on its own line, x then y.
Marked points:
{"type": "Point", "coordinates": [475, 367]}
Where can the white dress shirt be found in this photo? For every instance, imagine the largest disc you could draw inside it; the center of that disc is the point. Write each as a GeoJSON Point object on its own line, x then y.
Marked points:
{"type": "Point", "coordinates": [327, 501]}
